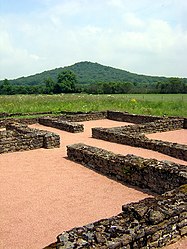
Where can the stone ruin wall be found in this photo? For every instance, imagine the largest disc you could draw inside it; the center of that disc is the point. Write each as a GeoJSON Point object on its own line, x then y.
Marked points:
{"type": "Point", "coordinates": [84, 116]}
{"type": "Point", "coordinates": [134, 135]}
{"type": "Point", "coordinates": [80, 117]}
{"type": "Point", "coordinates": [156, 176]}
{"type": "Point", "coordinates": [28, 121]}
{"type": "Point", "coordinates": [87, 115]}
{"type": "Point", "coordinates": [19, 137]}
{"type": "Point", "coordinates": [149, 223]}
{"type": "Point", "coordinates": [132, 118]}
{"type": "Point", "coordinates": [151, 127]}
{"type": "Point", "coordinates": [8, 115]}
{"type": "Point", "coordinates": [67, 123]}
{"type": "Point", "coordinates": [61, 124]}
{"type": "Point", "coordinates": [24, 138]}
{"type": "Point", "coordinates": [137, 118]}
{"type": "Point", "coordinates": [6, 118]}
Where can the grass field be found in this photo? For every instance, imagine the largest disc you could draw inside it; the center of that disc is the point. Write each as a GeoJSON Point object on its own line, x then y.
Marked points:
{"type": "Point", "coordinates": [152, 104]}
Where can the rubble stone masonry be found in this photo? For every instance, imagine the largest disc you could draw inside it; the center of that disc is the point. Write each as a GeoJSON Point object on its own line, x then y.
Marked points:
{"type": "Point", "coordinates": [134, 135]}
{"type": "Point", "coordinates": [19, 137]}
{"type": "Point", "coordinates": [84, 116]}
{"type": "Point", "coordinates": [61, 124]}
{"type": "Point", "coordinates": [135, 118]}
{"type": "Point", "coordinates": [149, 223]}
{"type": "Point", "coordinates": [156, 176]}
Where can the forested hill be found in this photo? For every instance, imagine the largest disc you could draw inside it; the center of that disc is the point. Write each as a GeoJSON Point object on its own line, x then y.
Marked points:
{"type": "Point", "coordinates": [88, 72]}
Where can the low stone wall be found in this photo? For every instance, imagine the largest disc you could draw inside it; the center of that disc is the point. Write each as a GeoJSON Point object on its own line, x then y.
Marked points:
{"type": "Point", "coordinates": [132, 118]}
{"type": "Point", "coordinates": [90, 115]}
{"type": "Point", "coordinates": [136, 118]}
{"type": "Point", "coordinates": [5, 121]}
{"type": "Point", "coordinates": [66, 116]}
{"type": "Point", "coordinates": [157, 176]}
{"type": "Point", "coordinates": [150, 223]}
{"type": "Point", "coordinates": [19, 137]}
{"type": "Point", "coordinates": [133, 135]}
{"type": "Point", "coordinates": [6, 115]}
{"type": "Point", "coordinates": [80, 117]}
{"type": "Point", "coordinates": [61, 124]}
{"type": "Point", "coordinates": [151, 127]}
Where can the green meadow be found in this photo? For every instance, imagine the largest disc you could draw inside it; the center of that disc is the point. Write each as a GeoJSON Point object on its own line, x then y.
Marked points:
{"type": "Point", "coordinates": [152, 104]}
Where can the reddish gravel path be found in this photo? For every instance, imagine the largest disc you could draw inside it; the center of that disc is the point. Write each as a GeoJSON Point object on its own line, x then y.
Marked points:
{"type": "Point", "coordinates": [42, 193]}
{"type": "Point", "coordinates": [178, 136]}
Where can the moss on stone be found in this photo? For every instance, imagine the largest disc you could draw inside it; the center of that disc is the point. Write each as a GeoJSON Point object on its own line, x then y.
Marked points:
{"type": "Point", "coordinates": [127, 170]}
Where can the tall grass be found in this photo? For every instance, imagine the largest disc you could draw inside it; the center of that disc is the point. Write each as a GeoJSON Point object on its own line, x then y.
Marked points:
{"type": "Point", "coordinates": [153, 104]}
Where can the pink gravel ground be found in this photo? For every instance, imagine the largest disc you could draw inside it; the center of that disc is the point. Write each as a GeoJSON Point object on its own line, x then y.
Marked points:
{"type": "Point", "coordinates": [177, 136]}
{"type": "Point", "coordinates": [42, 193]}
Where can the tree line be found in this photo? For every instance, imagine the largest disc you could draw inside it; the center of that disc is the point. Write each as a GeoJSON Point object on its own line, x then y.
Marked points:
{"type": "Point", "coordinates": [67, 83]}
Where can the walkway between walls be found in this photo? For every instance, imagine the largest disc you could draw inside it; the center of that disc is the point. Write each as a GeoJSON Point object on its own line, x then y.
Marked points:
{"type": "Point", "coordinates": [43, 193]}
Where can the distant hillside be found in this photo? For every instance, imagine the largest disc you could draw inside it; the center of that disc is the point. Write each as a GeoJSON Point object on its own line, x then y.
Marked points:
{"type": "Point", "coordinates": [88, 72]}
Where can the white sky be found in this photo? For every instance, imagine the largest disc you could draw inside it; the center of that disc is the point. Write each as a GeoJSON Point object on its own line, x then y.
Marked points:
{"type": "Point", "coordinates": [142, 36]}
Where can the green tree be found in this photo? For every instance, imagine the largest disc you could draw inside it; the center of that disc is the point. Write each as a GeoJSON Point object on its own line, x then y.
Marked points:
{"type": "Point", "coordinates": [66, 82]}
{"type": "Point", "coordinates": [49, 86]}
{"type": "Point", "coordinates": [5, 87]}
{"type": "Point", "coordinates": [173, 85]}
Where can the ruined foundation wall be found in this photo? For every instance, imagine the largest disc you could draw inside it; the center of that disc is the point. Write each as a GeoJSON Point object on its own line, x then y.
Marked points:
{"type": "Point", "coordinates": [61, 124]}
{"type": "Point", "coordinates": [157, 176]}
{"type": "Point", "coordinates": [136, 118]}
{"type": "Point", "coordinates": [19, 137]}
{"type": "Point", "coordinates": [151, 127]}
{"type": "Point", "coordinates": [150, 223]}
{"type": "Point", "coordinates": [66, 122]}
{"type": "Point", "coordinates": [132, 118]}
{"type": "Point", "coordinates": [134, 135]}
{"type": "Point", "coordinates": [66, 116]}
{"type": "Point", "coordinates": [4, 122]}
{"type": "Point", "coordinates": [83, 116]}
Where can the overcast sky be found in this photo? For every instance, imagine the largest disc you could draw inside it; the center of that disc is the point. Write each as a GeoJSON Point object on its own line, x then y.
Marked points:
{"type": "Point", "coordinates": [142, 36]}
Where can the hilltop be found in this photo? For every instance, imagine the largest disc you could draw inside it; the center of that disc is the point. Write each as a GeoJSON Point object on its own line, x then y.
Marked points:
{"type": "Point", "coordinates": [92, 78]}
{"type": "Point", "coordinates": [89, 72]}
